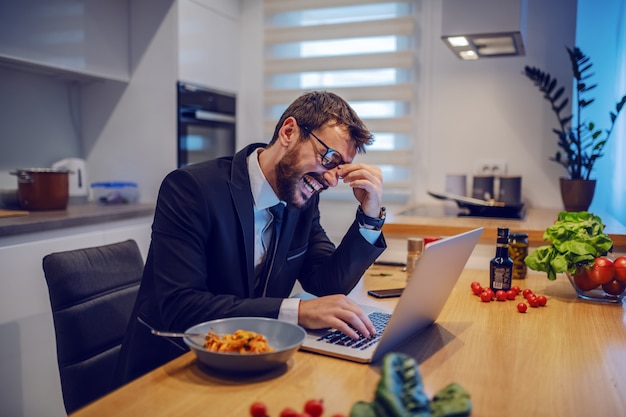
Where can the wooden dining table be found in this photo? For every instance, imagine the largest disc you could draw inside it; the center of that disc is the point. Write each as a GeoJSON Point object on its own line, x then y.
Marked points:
{"type": "Point", "coordinates": [565, 359]}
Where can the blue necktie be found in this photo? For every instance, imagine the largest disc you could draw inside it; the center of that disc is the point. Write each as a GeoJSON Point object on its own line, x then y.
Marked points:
{"type": "Point", "coordinates": [268, 263]}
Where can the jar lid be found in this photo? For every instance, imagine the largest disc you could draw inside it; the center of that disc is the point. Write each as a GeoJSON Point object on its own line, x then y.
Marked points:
{"type": "Point", "coordinates": [415, 244]}
{"type": "Point", "coordinates": [513, 235]}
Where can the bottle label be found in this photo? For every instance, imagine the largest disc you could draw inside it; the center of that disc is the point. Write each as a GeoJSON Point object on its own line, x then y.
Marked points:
{"type": "Point", "coordinates": [501, 278]}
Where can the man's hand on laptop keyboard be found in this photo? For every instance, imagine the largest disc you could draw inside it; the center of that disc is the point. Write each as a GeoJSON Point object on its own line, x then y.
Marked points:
{"type": "Point", "coordinates": [335, 311]}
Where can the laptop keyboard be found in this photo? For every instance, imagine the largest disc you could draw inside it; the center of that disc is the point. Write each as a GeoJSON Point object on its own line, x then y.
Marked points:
{"type": "Point", "coordinates": [379, 320]}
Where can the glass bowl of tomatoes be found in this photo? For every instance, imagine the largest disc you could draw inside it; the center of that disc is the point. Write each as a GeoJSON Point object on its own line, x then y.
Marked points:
{"type": "Point", "coordinates": [603, 281]}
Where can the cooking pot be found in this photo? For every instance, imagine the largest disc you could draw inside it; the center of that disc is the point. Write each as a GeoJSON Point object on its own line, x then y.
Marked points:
{"type": "Point", "coordinates": [42, 188]}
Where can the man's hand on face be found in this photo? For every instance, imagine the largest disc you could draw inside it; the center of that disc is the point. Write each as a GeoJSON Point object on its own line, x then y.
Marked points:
{"type": "Point", "coordinates": [337, 312]}
{"type": "Point", "coordinates": [367, 185]}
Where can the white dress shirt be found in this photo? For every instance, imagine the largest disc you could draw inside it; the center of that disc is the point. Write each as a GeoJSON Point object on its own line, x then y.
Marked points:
{"type": "Point", "coordinates": [264, 198]}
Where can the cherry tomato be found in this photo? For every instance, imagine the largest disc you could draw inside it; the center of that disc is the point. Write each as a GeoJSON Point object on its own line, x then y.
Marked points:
{"type": "Point", "coordinates": [501, 295]}
{"type": "Point", "coordinates": [614, 287]}
{"type": "Point", "coordinates": [314, 407]}
{"type": "Point", "coordinates": [620, 268]}
{"type": "Point", "coordinates": [542, 300]}
{"type": "Point", "coordinates": [533, 301]}
{"type": "Point", "coordinates": [522, 307]}
{"type": "Point", "coordinates": [516, 289]}
{"type": "Point", "coordinates": [258, 409]}
{"type": "Point", "coordinates": [583, 282]}
{"type": "Point", "coordinates": [288, 412]}
{"type": "Point", "coordinates": [485, 296]}
{"type": "Point", "coordinates": [489, 291]}
{"type": "Point", "coordinates": [602, 270]}
{"type": "Point", "coordinates": [476, 288]}
{"type": "Point", "coordinates": [510, 295]}
{"type": "Point", "coordinates": [526, 292]}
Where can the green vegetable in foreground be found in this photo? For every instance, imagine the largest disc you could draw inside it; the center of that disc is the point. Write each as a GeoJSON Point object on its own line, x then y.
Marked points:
{"type": "Point", "coordinates": [575, 238]}
{"type": "Point", "coordinates": [400, 393]}
{"type": "Point", "coordinates": [451, 400]}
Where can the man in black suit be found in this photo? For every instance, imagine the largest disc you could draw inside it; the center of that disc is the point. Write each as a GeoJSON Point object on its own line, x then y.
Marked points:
{"type": "Point", "coordinates": [210, 253]}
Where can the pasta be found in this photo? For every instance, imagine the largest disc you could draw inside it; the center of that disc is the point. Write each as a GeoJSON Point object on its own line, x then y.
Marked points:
{"type": "Point", "coordinates": [241, 341]}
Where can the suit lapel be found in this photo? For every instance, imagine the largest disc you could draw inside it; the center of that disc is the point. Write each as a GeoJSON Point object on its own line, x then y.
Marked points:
{"type": "Point", "coordinates": [241, 195]}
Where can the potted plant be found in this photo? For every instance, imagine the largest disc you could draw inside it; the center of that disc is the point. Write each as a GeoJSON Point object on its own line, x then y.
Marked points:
{"type": "Point", "coordinates": [580, 141]}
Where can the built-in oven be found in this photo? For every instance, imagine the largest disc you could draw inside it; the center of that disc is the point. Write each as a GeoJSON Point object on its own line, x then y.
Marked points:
{"type": "Point", "coordinates": [206, 124]}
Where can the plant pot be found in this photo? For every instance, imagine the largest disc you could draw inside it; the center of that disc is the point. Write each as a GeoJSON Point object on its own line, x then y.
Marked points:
{"type": "Point", "coordinates": [588, 290]}
{"type": "Point", "coordinates": [577, 194]}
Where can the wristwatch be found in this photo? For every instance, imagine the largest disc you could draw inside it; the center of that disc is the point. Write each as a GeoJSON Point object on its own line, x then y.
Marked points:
{"type": "Point", "coordinates": [368, 222]}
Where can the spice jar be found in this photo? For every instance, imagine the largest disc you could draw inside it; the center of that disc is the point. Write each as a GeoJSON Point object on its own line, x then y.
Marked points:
{"type": "Point", "coordinates": [415, 246]}
{"type": "Point", "coordinates": [518, 250]}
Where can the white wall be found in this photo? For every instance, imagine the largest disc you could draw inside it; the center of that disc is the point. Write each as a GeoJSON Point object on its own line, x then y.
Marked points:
{"type": "Point", "coordinates": [466, 110]}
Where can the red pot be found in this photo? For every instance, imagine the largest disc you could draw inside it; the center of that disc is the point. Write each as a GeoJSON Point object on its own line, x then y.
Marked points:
{"type": "Point", "coordinates": [42, 188]}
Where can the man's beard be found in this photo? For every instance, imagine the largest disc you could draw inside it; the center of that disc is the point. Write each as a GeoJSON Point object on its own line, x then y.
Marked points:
{"type": "Point", "coordinates": [287, 178]}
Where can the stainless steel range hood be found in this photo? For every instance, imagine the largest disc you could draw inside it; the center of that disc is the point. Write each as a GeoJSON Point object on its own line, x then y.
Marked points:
{"type": "Point", "coordinates": [474, 29]}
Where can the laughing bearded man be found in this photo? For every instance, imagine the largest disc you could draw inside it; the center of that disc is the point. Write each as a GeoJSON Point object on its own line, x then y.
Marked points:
{"type": "Point", "coordinates": [213, 224]}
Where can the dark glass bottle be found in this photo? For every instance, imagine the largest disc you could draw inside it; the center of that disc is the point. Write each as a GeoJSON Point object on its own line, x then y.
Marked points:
{"type": "Point", "coordinates": [501, 266]}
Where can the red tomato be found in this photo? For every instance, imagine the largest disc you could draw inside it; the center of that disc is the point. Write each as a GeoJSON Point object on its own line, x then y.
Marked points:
{"type": "Point", "coordinates": [542, 300]}
{"type": "Point", "coordinates": [533, 301]}
{"type": "Point", "coordinates": [489, 291]}
{"type": "Point", "coordinates": [583, 281]}
{"type": "Point", "coordinates": [620, 268]}
{"type": "Point", "coordinates": [314, 407]}
{"type": "Point", "coordinates": [521, 307]}
{"type": "Point", "coordinates": [510, 295]}
{"type": "Point", "coordinates": [258, 409]}
{"type": "Point", "coordinates": [614, 287]}
{"type": "Point", "coordinates": [526, 292]}
{"type": "Point", "coordinates": [602, 270]}
{"type": "Point", "coordinates": [288, 412]}
{"type": "Point", "coordinates": [485, 296]}
{"type": "Point", "coordinates": [516, 289]}
{"type": "Point", "coordinates": [476, 288]}
{"type": "Point", "coordinates": [501, 295]}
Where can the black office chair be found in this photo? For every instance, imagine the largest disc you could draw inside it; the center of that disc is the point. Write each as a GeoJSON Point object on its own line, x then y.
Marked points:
{"type": "Point", "coordinates": [92, 293]}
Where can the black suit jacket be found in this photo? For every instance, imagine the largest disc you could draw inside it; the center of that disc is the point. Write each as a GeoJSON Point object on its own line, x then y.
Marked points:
{"type": "Point", "coordinates": [200, 265]}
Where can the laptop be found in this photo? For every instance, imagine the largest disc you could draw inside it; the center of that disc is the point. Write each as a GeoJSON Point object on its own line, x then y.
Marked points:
{"type": "Point", "coordinates": [423, 298]}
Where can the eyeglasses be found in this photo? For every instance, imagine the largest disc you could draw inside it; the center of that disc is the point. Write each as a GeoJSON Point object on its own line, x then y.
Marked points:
{"type": "Point", "coordinates": [331, 158]}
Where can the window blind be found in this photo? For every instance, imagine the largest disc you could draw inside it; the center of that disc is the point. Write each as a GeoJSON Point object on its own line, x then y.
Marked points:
{"type": "Point", "coordinates": [361, 50]}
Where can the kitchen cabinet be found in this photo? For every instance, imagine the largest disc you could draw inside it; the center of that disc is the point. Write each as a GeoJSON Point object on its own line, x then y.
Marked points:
{"type": "Point", "coordinates": [65, 39]}
{"type": "Point", "coordinates": [29, 376]}
{"type": "Point", "coordinates": [208, 43]}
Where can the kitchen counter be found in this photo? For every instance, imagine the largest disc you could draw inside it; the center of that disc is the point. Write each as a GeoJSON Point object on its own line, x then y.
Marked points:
{"type": "Point", "coordinates": [26, 324]}
{"type": "Point", "coordinates": [74, 216]}
{"type": "Point", "coordinates": [445, 221]}
{"type": "Point", "coordinates": [565, 359]}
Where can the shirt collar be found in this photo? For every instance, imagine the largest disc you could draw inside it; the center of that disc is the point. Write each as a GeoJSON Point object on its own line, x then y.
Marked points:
{"type": "Point", "coordinates": [262, 192]}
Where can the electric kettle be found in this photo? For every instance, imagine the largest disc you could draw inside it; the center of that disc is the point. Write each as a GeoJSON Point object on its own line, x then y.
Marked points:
{"type": "Point", "coordinates": [78, 185]}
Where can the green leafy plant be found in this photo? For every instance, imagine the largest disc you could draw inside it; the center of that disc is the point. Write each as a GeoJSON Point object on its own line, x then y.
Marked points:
{"type": "Point", "coordinates": [580, 142]}
{"type": "Point", "coordinates": [576, 239]}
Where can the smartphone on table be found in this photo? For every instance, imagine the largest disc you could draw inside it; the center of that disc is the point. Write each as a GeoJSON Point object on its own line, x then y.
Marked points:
{"type": "Point", "coordinates": [386, 293]}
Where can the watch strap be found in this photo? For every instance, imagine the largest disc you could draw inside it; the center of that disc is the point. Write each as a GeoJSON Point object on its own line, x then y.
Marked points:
{"type": "Point", "coordinates": [372, 223]}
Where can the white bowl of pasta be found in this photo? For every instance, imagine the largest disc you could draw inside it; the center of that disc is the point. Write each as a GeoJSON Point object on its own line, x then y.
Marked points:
{"type": "Point", "coordinates": [245, 344]}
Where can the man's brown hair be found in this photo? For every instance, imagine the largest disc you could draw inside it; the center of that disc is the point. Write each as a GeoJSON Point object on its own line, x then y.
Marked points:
{"type": "Point", "coordinates": [314, 109]}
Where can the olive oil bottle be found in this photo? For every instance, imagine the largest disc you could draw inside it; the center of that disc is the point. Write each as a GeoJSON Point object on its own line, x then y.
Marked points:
{"type": "Point", "coordinates": [501, 266]}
